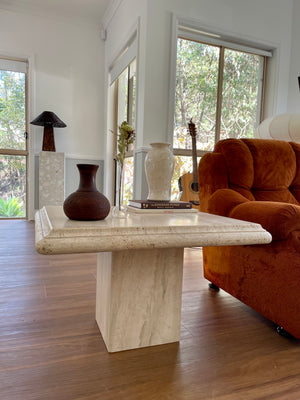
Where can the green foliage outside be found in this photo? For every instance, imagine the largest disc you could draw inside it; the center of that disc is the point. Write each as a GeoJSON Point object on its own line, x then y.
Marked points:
{"type": "Point", "coordinates": [11, 208]}
{"type": "Point", "coordinates": [239, 94]}
{"type": "Point", "coordinates": [196, 97]}
{"type": "Point", "coordinates": [12, 128]}
{"type": "Point", "coordinates": [196, 93]}
{"type": "Point", "coordinates": [12, 110]}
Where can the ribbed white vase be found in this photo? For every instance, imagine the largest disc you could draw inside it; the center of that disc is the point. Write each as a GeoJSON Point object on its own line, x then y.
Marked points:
{"type": "Point", "coordinates": [159, 168]}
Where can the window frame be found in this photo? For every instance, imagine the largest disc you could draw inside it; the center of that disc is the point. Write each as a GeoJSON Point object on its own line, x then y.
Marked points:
{"type": "Point", "coordinates": [190, 29]}
{"type": "Point", "coordinates": [19, 65]}
{"type": "Point", "coordinates": [129, 114]}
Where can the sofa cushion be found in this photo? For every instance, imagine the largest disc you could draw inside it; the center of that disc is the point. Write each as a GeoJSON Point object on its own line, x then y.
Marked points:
{"type": "Point", "coordinates": [239, 164]}
{"type": "Point", "coordinates": [274, 164]}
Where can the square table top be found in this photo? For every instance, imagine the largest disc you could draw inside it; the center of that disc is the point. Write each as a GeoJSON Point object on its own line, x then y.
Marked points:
{"type": "Point", "coordinates": [56, 234]}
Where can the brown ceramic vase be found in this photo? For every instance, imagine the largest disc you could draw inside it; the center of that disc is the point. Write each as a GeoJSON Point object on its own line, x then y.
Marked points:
{"type": "Point", "coordinates": [87, 203]}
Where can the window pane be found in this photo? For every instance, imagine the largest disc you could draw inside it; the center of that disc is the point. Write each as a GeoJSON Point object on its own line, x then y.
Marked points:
{"type": "Point", "coordinates": [241, 94]}
{"type": "Point", "coordinates": [183, 165]}
{"type": "Point", "coordinates": [12, 110]}
{"type": "Point", "coordinates": [128, 179]}
{"type": "Point", "coordinates": [131, 93]}
{"type": "Point", "coordinates": [122, 96]}
{"type": "Point", "coordinates": [126, 90]}
{"type": "Point", "coordinates": [196, 93]}
{"type": "Point", "coordinates": [131, 97]}
{"type": "Point", "coordinates": [12, 186]}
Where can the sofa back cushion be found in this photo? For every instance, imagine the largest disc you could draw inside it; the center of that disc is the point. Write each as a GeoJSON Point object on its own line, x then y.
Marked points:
{"type": "Point", "coordinates": [262, 169]}
{"type": "Point", "coordinates": [239, 163]}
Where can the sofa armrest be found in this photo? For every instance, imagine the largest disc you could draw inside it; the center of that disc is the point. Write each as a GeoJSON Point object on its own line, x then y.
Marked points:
{"type": "Point", "coordinates": [222, 201]}
{"type": "Point", "coordinates": [279, 219]}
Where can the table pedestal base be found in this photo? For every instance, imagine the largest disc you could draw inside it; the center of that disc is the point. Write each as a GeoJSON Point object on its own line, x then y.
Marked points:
{"type": "Point", "coordinates": [138, 301]}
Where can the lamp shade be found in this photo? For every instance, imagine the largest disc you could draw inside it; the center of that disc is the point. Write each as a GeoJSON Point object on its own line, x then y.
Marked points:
{"type": "Point", "coordinates": [280, 127]}
{"type": "Point", "coordinates": [48, 118]}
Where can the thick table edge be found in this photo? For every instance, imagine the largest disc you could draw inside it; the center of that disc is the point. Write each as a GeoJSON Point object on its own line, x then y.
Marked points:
{"type": "Point", "coordinates": [48, 245]}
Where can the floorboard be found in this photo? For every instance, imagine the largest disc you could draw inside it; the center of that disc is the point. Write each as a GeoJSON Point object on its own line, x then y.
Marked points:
{"type": "Point", "coordinates": [51, 348]}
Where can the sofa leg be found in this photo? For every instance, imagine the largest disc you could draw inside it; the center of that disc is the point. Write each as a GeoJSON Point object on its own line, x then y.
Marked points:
{"type": "Point", "coordinates": [282, 332]}
{"type": "Point", "coordinates": [213, 286]}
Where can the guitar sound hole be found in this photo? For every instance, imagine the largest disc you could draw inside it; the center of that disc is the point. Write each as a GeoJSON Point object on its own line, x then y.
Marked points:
{"type": "Point", "coordinates": [195, 187]}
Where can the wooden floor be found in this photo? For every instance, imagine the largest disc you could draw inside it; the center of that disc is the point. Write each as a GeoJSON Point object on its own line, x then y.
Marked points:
{"type": "Point", "coordinates": [51, 349]}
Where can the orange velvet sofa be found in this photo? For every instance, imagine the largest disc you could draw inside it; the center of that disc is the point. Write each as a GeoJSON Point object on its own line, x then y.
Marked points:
{"type": "Point", "coordinates": [259, 181]}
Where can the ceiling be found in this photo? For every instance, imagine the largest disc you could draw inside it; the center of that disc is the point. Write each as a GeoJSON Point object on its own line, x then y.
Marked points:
{"type": "Point", "coordinates": [85, 10]}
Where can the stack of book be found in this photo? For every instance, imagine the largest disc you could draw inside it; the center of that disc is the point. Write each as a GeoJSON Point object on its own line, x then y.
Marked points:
{"type": "Point", "coordinates": [159, 206]}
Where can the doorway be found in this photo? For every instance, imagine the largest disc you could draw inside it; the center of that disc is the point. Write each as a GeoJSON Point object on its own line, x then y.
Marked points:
{"type": "Point", "coordinates": [13, 139]}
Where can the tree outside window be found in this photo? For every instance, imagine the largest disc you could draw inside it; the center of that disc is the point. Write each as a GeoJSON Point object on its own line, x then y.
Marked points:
{"type": "Point", "coordinates": [221, 89]}
{"type": "Point", "coordinates": [13, 146]}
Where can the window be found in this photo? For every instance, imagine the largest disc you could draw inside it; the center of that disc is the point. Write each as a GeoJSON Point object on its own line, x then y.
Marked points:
{"type": "Point", "coordinates": [125, 87]}
{"type": "Point", "coordinates": [219, 85]}
{"type": "Point", "coordinates": [13, 139]}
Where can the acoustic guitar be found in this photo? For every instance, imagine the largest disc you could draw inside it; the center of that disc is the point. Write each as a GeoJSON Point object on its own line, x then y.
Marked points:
{"type": "Point", "coordinates": [188, 183]}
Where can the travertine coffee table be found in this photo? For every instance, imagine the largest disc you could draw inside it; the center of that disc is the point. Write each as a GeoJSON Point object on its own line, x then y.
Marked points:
{"type": "Point", "coordinates": [140, 264]}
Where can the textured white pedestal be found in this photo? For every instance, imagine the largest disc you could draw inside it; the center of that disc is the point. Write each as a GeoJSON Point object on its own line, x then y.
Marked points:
{"type": "Point", "coordinates": [140, 263]}
{"type": "Point", "coordinates": [138, 300]}
{"type": "Point", "coordinates": [51, 178]}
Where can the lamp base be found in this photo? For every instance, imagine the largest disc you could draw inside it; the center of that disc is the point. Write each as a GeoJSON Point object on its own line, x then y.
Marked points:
{"type": "Point", "coordinates": [48, 139]}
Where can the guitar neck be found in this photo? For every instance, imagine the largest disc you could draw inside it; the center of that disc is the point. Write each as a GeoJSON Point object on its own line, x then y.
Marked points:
{"type": "Point", "coordinates": [194, 154]}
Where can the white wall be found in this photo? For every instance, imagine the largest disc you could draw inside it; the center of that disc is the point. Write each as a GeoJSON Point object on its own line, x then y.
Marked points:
{"type": "Point", "coordinates": [67, 78]}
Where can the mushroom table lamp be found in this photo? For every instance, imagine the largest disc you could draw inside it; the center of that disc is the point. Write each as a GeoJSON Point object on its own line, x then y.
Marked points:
{"type": "Point", "coordinates": [48, 120]}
